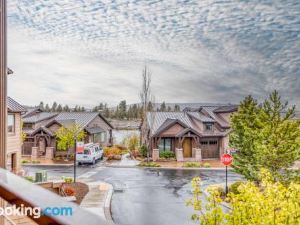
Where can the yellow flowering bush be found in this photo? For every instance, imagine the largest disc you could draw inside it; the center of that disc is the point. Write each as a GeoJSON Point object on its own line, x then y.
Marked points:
{"type": "Point", "coordinates": [270, 203]}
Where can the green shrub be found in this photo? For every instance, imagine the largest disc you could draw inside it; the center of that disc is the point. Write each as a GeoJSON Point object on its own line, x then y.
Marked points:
{"type": "Point", "coordinates": [192, 164]}
{"type": "Point", "coordinates": [206, 165]}
{"type": "Point", "coordinates": [57, 158]}
{"type": "Point", "coordinates": [143, 150]}
{"type": "Point", "coordinates": [25, 161]}
{"type": "Point", "coordinates": [166, 155]}
{"type": "Point", "coordinates": [149, 164]}
{"type": "Point", "coordinates": [234, 187]}
{"type": "Point", "coordinates": [35, 162]}
{"type": "Point", "coordinates": [68, 180]}
{"type": "Point", "coordinates": [29, 178]}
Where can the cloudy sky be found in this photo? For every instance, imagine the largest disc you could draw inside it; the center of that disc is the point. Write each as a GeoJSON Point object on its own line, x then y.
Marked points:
{"type": "Point", "coordinates": [90, 51]}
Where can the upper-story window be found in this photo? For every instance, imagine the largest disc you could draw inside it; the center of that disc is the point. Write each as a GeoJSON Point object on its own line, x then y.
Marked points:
{"type": "Point", "coordinates": [28, 125]}
{"type": "Point", "coordinates": [208, 126]}
{"type": "Point", "coordinates": [11, 123]}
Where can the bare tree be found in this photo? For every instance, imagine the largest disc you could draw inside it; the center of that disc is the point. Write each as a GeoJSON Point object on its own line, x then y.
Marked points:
{"type": "Point", "coordinates": [145, 94]}
{"type": "Point", "coordinates": [146, 98]}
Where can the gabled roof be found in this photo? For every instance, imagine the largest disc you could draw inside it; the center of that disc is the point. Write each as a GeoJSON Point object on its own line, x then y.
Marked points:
{"type": "Point", "coordinates": [156, 119]}
{"type": "Point", "coordinates": [221, 121]}
{"type": "Point", "coordinates": [201, 117]}
{"type": "Point", "coordinates": [46, 130]}
{"type": "Point", "coordinates": [39, 117]}
{"type": "Point", "coordinates": [31, 111]}
{"type": "Point", "coordinates": [94, 130]}
{"type": "Point", "coordinates": [167, 124]}
{"type": "Point", "coordinates": [14, 106]}
{"type": "Point", "coordinates": [81, 118]}
{"type": "Point", "coordinates": [186, 130]}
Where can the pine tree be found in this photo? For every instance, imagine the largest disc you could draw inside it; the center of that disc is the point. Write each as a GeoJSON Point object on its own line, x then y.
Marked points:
{"type": "Point", "coordinates": [59, 108]}
{"type": "Point", "coordinates": [163, 107]}
{"type": "Point", "coordinates": [266, 137]}
{"type": "Point", "coordinates": [176, 108]}
{"type": "Point", "coordinates": [47, 108]}
{"type": "Point", "coordinates": [66, 108]}
{"type": "Point", "coordinates": [41, 106]}
{"type": "Point", "coordinates": [54, 106]}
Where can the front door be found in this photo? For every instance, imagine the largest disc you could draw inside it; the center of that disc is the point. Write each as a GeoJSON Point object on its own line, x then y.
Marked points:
{"type": "Point", "coordinates": [187, 147]}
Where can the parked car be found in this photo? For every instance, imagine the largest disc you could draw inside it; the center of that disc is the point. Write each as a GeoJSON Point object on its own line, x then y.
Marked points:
{"type": "Point", "coordinates": [91, 153]}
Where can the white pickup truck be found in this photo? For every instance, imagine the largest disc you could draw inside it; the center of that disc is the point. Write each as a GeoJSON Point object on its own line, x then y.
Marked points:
{"type": "Point", "coordinates": [91, 153]}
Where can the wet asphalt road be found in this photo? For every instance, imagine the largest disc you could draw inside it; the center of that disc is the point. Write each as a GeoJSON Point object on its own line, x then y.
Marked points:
{"type": "Point", "coordinates": [147, 196]}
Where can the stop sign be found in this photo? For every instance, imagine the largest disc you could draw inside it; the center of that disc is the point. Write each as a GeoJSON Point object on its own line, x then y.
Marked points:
{"type": "Point", "coordinates": [226, 159]}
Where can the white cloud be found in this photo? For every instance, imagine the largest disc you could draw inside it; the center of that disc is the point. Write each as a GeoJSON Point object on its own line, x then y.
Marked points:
{"type": "Point", "coordinates": [89, 51]}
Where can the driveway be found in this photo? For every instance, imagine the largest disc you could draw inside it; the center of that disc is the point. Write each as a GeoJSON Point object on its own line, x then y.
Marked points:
{"type": "Point", "coordinates": [148, 196]}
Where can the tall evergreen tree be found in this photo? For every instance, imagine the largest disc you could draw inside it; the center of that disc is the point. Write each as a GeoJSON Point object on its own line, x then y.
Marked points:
{"type": "Point", "coordinates": [59, 108]}
{"type": "Point", "coordinates": [266, 136]}
{"type": "Point", "coordinates": [163, 107]}
{"type": "Point", "coordinates": [176, 108]}
{"type": "Point", "coordinates": [54, 106]}
{"type": "Point", "coordinates": [41, 105]}
{"type": "Point", "coordinates": [66, 108]}
{"type": "Point", "coordinates": [47, 108]}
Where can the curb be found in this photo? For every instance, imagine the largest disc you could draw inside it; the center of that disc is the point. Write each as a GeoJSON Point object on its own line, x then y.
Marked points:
{"type": "Point", "coordinates": [104, 205]}
{"type": "Point", "coordinates": [170, 168]}
{"type": "Point", "coordinates": [45, 164]}
{"type": "Point", "coordinates": [107, 204]}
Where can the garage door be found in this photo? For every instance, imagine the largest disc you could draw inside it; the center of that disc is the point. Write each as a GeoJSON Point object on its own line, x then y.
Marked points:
{"type": "Point", "coordinates": [210, 148]}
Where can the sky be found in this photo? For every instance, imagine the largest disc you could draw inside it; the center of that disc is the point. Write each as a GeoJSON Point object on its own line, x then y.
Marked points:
{"type": "Point", "coordinates": [90, 51]}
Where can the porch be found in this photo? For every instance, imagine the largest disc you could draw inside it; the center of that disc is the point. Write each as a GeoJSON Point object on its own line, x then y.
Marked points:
{"type": "Point", "coordinates": [188, 147]}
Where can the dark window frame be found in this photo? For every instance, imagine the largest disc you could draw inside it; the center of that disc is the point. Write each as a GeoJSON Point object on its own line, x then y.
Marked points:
{"type": "Point", "coordinates": [13, 126]}
{"type": "Point", "coordinates": [164, 144]}
{"type": "Point", "coordinates": [209, 126]}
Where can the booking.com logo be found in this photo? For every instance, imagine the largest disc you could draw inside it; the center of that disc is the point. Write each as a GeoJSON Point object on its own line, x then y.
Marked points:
{"type": "Point", "coordinates": [35, 212]}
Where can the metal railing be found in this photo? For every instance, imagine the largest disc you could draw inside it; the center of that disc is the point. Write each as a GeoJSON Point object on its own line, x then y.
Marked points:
{"type": "Point", "coordinates": [22, 193]}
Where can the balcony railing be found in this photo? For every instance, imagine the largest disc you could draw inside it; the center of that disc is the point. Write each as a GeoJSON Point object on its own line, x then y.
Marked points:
{"type": "Point", "coordinates": [21, 193]}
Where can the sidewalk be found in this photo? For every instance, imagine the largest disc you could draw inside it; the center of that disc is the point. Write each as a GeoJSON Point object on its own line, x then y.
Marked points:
{"type": "Point", "coordinates": [98, 199]}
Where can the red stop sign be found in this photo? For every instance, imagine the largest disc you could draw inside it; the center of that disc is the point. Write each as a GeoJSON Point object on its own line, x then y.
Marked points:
{"type": "Point", "coordinates": [226, 159]}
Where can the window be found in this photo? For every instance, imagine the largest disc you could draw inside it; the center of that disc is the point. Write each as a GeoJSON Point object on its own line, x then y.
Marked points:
{"type": "Point", "coordinates": [213, 142]}
{"type": "Point", "coordinates": [28, 125]}
{"type": "Point", "coordinates": [203, 142]}
{"type": "Point", "coordinates": [208, 126]}
{"type": "Point", "coordinates": [165, 144]}
{"type": "Point", "coordinates": [11, 123]}
{"type": "Point", "coordinates": [103, 137]}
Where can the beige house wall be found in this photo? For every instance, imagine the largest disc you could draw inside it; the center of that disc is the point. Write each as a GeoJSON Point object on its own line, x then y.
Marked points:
{"type": "Point", "coordinates": [14, 142]}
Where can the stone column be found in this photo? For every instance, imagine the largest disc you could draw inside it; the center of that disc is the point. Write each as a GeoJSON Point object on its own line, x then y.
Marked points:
{"type": "Point", "coordinates": [34, 153]}
{"type": "Point", "coordinates": [155, 154]}
{"type": "Point", "coordinates": [49, 153]}
{"type": "Point", "coordinates": [198, 155]}
{"type": "Point", "coordinates": [179, 154]}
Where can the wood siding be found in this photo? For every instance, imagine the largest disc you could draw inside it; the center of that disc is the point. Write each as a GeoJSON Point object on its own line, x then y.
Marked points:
{"type": "Point", "coordinates": [99, 122]}
{"type": "Point", "coordinates": [172, 131]}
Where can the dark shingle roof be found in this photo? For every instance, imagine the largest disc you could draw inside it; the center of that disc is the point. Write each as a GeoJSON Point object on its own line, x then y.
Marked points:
{"type": "Point", "coordinates": [14, 106]}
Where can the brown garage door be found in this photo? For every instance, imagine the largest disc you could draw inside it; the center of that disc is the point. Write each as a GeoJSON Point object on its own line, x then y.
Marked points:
{"type": "Point", "coordinates": [210, 148]}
